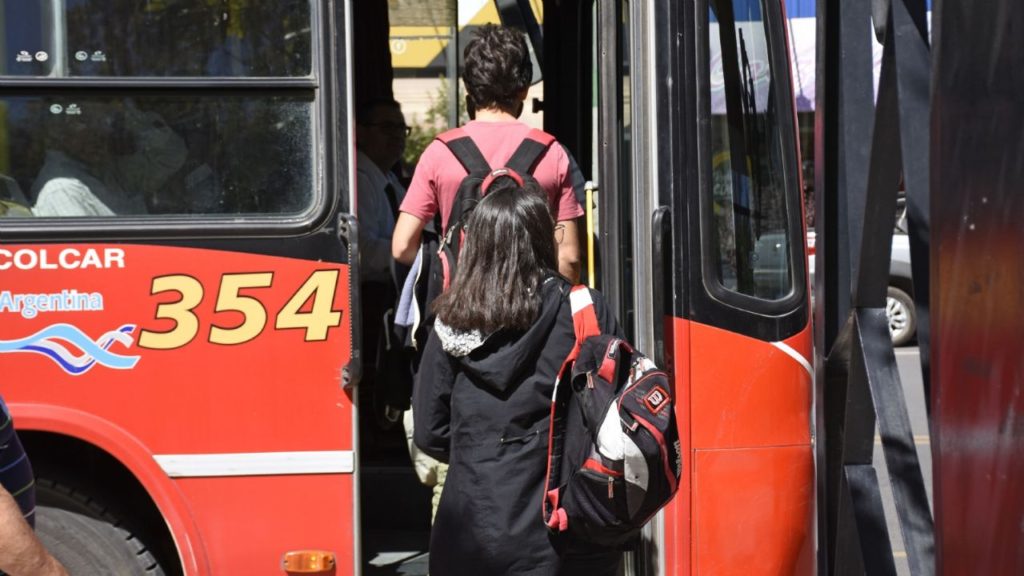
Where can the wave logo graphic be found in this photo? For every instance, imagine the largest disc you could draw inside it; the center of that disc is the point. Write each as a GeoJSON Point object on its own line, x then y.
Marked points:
{"type": "Point", "coordinates": [56, 343]}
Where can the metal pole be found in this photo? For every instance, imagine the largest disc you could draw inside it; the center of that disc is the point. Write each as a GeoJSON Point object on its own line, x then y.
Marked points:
{"type": "Point", "coordinates": [609, 105]}
{"type": "Point", "coordinates": [453, 72]}
{"type": "Point", "coordinates": [59, 54]}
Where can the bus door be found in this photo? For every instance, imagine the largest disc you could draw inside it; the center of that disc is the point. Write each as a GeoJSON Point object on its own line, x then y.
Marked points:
{"type": "Point", "coordinates": [701, 243]}
{"type": "Point", "coordinates": [176, 311]}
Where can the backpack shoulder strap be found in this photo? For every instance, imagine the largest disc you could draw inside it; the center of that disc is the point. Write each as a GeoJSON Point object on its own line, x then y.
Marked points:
{"type": "Point", "coordinates": [584, 321]}
{"type": "Point", "coordinates": [585, 324]}
{"type": "Point", "coordinates": [584, 317]}
{"type": "Point", "coordinates": [465, 151]}
{"type": "Point", "coordinates": [525, 158]}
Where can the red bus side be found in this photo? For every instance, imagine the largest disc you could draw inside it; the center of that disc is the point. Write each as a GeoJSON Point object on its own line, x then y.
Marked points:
{"type": "Point", "coordinates": [216, 378]}
{"type": "Point", "coordinates": [747, 502]}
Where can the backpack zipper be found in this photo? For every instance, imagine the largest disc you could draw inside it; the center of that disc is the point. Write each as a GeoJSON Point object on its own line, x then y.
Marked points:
{"type": "Point", "coordinates": [601, 471]}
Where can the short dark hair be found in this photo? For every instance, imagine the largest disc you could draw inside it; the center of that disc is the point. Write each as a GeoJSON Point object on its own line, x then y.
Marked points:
{"type": "Point", "coordinates": [497, 68]}
{"type": "Point", "coordinates": [365, 109]}
{"type": "Point", "coordinates": [509, 250]}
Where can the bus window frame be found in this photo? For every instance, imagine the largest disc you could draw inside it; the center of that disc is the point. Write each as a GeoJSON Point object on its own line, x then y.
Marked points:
{"type": "Point", "coordinates": [795, 300]}
{"type": "Point", "coordinates": [333, 155]}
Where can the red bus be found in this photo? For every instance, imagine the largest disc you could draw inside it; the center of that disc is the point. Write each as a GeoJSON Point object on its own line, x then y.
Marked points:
{"type": "Point", "coordinates": [180, 298]}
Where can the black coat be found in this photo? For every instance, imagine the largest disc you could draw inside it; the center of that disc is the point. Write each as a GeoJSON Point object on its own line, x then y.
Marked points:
{"type": "Point", "coordinates": [487, 414]}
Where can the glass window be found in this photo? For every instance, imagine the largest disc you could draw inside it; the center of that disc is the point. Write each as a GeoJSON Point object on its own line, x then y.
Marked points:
{"type": "Point", "coordinates": [187, 153]}
{"type": "Point", "coordinates": [750, 221]}
{"type": "Point", "coordinates": [133, 38]}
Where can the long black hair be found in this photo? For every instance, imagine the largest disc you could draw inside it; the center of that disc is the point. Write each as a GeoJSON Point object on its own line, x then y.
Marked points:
{"type": "Point", "coordinates": [509, 250]}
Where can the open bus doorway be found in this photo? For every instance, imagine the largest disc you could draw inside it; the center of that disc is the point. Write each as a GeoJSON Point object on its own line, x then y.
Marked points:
{"type": "Point", "coordinates": [411, 52]}
{"type": "Point", "coordinates": [394, 506]}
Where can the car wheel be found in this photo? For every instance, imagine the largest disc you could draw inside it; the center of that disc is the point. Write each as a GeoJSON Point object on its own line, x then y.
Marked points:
{"type": "Point", "coordinates": [899, 309]}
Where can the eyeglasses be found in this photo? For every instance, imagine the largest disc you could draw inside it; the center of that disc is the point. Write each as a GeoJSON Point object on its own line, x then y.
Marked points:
{"type": "Point", "coordinates": [391, 127]}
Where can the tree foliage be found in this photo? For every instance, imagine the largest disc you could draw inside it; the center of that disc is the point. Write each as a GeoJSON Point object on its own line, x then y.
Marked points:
{"type": "Point", "coordinates": [434, 122]}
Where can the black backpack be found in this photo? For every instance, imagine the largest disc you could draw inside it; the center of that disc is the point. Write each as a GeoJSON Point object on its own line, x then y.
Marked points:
{"type": "Point", "coordinates": [614, 457]}
{"type": "Point", "coordinates": [440, 248]}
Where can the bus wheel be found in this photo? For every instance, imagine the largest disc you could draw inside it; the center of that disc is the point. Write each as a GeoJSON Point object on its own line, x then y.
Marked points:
{"type": "Point", "coordinates": [85, 537]}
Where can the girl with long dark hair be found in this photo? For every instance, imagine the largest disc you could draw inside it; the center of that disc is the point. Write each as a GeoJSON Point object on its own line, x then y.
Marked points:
{"type": "Point", "coordinates": [483, 393]}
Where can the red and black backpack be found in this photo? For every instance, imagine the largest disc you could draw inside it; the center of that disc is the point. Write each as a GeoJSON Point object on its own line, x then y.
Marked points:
{"type": "Point", "coordinates": [614, 456]}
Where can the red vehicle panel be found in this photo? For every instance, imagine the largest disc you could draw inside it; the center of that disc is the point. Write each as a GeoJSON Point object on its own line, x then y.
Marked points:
{"type": "Point", "coordinates": [746, 505]}
{"type": "Point", "coordinates": [223, 369]}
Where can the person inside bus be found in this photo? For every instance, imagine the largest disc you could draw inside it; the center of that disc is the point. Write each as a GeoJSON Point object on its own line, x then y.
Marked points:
{"type": "Point", "coordinates": [482, 397]}
{"type": "Point", "coordinates": [13, 203]}
{"type": "Point", "coordinates": [497, 77]}
{"type": "Point", "coordinates": [21, 552]}
{"type": "Point", "coordinates": [105, 161]}
{"type": "Point", "coordinates": [380, 141]}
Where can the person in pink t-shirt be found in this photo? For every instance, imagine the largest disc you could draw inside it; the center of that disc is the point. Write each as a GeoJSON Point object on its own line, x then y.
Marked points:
{"type": "Point", "coordinates": [497, 77]}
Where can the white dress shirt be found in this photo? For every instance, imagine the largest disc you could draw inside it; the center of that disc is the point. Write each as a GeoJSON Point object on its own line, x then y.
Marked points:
{"type": "Point", "coordinates": [376, 219]}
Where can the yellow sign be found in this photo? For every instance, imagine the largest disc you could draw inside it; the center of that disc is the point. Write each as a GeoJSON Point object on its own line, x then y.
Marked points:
{"type": "Point", "coordinates": [415, 47]}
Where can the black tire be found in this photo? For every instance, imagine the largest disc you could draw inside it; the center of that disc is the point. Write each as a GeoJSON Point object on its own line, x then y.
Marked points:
{"type": "Point", "coordinates": [899, 311]}
{"type": "Point", "coordinates": [85, 537]}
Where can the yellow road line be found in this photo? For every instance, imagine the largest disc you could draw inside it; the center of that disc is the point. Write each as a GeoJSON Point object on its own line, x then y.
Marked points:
{"type": "Point", "coordinates": [919, 440]}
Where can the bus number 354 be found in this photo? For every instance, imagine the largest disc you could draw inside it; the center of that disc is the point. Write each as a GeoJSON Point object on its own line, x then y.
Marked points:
{"type": "Point", "coordinates": [320, 317]}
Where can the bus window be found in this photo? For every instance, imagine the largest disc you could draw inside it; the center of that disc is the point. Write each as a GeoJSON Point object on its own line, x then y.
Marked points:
{"type": "Point", "coordinates": [750, 246]}
{"type": "Point", "coordinates": [109, 155]}
{"type": "Point", "coordinates": [156, 38]}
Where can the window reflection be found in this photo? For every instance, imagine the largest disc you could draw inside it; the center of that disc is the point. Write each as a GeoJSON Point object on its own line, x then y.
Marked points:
{"type": "Point", "coordinates": [115, 156]}
{"type": "Point", "coordinates": [227, 38]}
{"type": "Point", "coordinates": [750, 219]}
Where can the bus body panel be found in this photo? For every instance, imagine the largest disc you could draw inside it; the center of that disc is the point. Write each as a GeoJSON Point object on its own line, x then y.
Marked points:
{"type": "Point", "coordinates": [751, 392]}
{"type": "Point", "coordinates": [248, 523]}
{"type": "Point", "coordinates": [745, 504]}
{"type": "Point", "coordinates": [116, 441]}
{"type": "Point", "coordinates": [753, 511]}
{"type": "Point", "coordinates": [224, 370]}
{"type": "Point", "coordinates": [678, 527]}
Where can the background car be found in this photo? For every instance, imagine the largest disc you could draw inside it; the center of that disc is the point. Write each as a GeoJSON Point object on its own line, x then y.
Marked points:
{"type": "Point", "coordinates": [899, 302]}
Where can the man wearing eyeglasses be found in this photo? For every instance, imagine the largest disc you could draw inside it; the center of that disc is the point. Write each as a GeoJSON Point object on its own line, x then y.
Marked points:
{"type": "Point", "coordinates": [380, 141]}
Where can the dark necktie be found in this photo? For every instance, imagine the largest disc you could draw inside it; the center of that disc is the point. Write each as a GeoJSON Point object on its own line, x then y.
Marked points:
{"type": "Point", "coordinates": [389, 191]}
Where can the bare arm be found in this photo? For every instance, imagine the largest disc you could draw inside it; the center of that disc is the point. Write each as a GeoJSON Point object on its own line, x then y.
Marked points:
{"type": "Point", "coordinates": [568, 241]}
{"type": "Point", "coordinates": [405, 240]}
{"type": "Point", "coordinates": [21, 553]}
